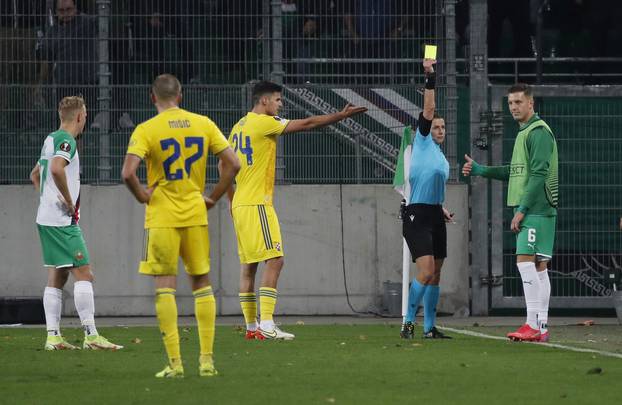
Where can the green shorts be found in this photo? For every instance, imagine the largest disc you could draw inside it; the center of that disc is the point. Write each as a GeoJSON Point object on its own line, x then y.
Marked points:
{"type": "Point", "coordinates": [536, 237]}
{"type": "Point", "coordinates": [63, 246]}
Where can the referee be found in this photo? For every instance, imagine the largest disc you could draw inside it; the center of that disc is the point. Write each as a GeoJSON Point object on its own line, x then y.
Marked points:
{"type": "Point", "coordinates": [424, 217]}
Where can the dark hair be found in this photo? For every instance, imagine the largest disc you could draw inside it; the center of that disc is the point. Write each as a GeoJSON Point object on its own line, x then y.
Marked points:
{"type": "Point", "coordinates": [264, 87]}
{"type": "Point", "coordinates": [436, 117]}
{"type": "Point", "coordinates": [521, 88]}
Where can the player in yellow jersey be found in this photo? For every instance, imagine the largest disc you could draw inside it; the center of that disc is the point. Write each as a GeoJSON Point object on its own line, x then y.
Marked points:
{"type": "Point", "coordinates": [254, 138]}
{"type": "Point", "coordinates": [174, 145]}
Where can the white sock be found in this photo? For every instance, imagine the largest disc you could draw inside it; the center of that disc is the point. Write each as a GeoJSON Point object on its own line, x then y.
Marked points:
{"type": "Point", "coordinates": [545, 295]}
{"type": "Point", "coordinates": [52, 305]}
{"type": "Point", "coordinates": [251, 326]}
{"type": "Point", "coordinates": [266, 325]}
{"type": "Point", "coordinates": [85, 305]}
{"type": "Point", "coordinates": [531, 288]}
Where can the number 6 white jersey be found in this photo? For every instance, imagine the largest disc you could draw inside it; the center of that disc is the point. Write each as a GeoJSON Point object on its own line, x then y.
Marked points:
{"type": "Point", "coordinates": [51, 211]}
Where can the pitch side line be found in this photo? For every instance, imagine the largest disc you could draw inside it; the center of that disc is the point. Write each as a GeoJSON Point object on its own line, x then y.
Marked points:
{"type": "Point", "coordinates": [555, 345]}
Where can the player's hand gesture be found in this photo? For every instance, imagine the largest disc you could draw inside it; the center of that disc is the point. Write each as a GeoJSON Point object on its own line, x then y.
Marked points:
{"type": "Point", "coordinates": [350, 110]}
{"type": "Point", "coordinates": [428, 65]}
{"type": "Point", "coordinates": [209, 203]}
{"type": "Point", "coordinates": [67, 206]}
{"type": "Point", "coordinates": [468, 166]}
{"type": "Point", "coordinates": [449, 216]}
{"type": "Point", "coordinates": [149, 191]}
{"type": "Point", "coordinates": [515, 225]}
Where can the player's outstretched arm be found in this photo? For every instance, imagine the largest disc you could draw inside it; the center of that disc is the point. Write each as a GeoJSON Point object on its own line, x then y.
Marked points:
{"type": "Point", "coordinates": [131, 180]}
{"type": "Point", "coordinates": [35, 177]}
{"type": "Point", "coordinates": [429, 104]}
{"type": "Point", "coordinates": [228, 167]}
{"type": "Point", "coordinates": [472, 168]}
{"type": "Point", "coordinates": [317, 121]}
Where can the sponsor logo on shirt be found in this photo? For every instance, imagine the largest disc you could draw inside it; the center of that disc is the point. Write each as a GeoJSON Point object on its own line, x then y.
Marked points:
{"type": "Point", "coordinates": [517, 169]}
{"type": "Point", "coordinates": [279, 119]}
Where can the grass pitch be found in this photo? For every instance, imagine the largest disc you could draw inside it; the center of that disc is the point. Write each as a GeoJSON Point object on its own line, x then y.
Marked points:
{"type": "Point", "coordinates": [341, 364]}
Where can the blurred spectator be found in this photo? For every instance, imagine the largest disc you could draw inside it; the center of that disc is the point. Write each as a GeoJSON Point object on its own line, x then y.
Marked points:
{"type": "Point", "coordinates": [70, 46]}
{"type": "Point", "coordinates": [162, 37]}
{"type": "Point", "coordinates": [238, 25]}
{"type": "Point", "coordinates": [319, 25]}
{"type": "Point", "coordinates": [508, 29]}
{"type": "Point", "coordinates": [374, 27]}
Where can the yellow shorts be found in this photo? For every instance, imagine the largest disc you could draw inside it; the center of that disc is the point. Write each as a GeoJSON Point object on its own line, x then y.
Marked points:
{"type": "Point", "coordinates": [258, 232]}
{"type": "Point", "coordinates": [162, 248]}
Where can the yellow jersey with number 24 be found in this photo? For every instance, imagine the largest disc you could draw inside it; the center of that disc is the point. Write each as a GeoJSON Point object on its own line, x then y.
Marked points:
{"type": "Point", "coordinates": [253, 138]}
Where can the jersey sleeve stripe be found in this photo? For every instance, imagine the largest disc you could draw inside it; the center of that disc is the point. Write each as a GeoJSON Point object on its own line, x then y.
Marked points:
{"type": "Point", "coordinates": [64, 155]}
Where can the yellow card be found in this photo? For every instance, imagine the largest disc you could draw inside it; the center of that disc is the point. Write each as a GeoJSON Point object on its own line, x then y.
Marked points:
{"type": "Point", "coordinates": [430, 52]}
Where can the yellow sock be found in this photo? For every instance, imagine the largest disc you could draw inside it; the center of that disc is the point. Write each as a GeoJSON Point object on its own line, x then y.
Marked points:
{"type": "Point", "coordinates": [166, 310]}
{"type": "Point", "coordinates": [267, 302]}
{"type": "Point", "coordinates": [205, 312]}
{"type": "Point", "coordinates": [248, 302]}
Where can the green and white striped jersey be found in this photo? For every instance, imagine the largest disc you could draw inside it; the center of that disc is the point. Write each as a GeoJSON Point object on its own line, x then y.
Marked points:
{"type": "Point", "coordinates": [51, 212]}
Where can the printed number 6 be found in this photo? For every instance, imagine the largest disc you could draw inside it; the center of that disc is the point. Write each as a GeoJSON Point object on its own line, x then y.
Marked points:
{"type": "Point", "coordinates": [531, 235]}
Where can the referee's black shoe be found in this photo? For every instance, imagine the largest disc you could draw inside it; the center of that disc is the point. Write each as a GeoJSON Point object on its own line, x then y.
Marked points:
{"type": "Point", "coordinates": [435, 334]}
{"type": "Point", "coordinates": [408, 330]}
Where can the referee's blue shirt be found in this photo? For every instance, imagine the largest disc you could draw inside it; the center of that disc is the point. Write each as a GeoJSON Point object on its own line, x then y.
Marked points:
{"type": "Point", "coordinates": [429, 171]}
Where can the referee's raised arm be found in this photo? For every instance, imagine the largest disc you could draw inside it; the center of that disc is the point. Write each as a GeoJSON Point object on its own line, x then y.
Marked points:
{"type": "Point", "coordinates": [429, 104]}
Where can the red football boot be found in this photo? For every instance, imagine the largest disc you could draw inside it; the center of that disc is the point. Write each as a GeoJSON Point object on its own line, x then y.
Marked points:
{"type": "Point", "coordinates": [544, 337]}
{"type": "Point", "coordinates": [525, 333]}
{"type": "Point", "coordinates": [254, 335]}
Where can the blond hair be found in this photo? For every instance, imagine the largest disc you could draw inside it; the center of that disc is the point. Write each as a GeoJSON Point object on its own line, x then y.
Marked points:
{"type": "Point", "coordinates": [166, 87]}
{"type": "Point", "coordinates": [69, 107]}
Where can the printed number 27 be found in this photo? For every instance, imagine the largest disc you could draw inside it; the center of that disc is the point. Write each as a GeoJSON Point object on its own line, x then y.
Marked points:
{"type": "Point", "coordinates": [188, 143]}
{"type": "Point", "coordinates": [243, 143]}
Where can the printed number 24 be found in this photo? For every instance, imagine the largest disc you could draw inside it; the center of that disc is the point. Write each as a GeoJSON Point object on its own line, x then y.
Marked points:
{"type": "Point", "coordinates": [243, 143]}
{"type": "Point", "coordinates": [188, 143]}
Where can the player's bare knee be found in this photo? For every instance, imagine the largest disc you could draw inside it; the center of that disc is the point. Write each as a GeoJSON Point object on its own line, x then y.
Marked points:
{"type": "Point", "coordinates": [277, 263]}
{"type": "Point", "coordinates": [83, 273]}
{"type": "Point", "coordinates": [200, 281]}
{"type": "Point", "coordinates": [426, 277]}
{"type": "Point", "coordinates": [165, 282]}
{"type": "Point", "coordinates": [525, 258]}
{"type": "Point", "coordinates": [57, 278]}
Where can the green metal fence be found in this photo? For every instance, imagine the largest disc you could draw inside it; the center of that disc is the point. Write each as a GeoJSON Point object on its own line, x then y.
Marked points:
{"type": "Point", "coordinates": [339, 51]}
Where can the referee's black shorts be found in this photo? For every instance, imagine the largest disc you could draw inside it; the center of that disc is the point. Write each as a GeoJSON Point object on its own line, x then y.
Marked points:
{"type": "Point", "coordinates": [424, 230]}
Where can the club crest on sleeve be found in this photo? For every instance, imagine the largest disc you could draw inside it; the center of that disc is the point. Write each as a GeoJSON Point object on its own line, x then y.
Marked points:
{"type": "Point", "coordinates": [65, 147]}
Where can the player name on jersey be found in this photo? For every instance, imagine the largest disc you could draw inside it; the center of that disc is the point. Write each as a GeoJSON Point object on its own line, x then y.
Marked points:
{"type": "Point", "coordinates": [179, 124]}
